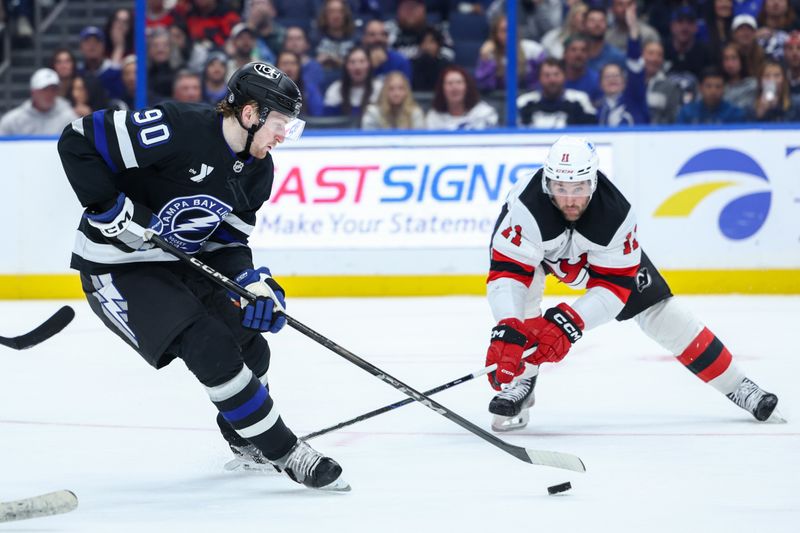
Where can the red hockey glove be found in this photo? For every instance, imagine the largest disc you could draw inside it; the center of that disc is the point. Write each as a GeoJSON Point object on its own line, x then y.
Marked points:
{"type": "Point", "coordinates": [505, 350]}
{"type": "Point", "coordinates": [555, 333]}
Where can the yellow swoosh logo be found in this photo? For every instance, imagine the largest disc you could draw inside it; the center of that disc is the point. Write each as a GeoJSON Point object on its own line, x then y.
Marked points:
{"type": "Point", "coordinates": [683, 202]}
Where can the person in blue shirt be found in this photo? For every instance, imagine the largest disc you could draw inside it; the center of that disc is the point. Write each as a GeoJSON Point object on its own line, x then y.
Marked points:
{"type": "Point", "coordinates": [600, 52]}
{"type": "Point", "coordinates": [383, 59]}
{"type": "Point", "coordinates": [624, 101]}
{"type": "Point", "coordinates": [711, 108]}
{"type": "Point", "coordinates": [578, 75]}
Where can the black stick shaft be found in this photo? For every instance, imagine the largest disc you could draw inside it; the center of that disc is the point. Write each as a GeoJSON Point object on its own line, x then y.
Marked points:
{"type": "Point", "coordinates": [517, 451]}
{"type": "Point", "coordinates": [401, 403]}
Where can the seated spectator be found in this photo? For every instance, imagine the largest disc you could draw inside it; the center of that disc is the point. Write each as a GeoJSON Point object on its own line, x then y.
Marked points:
{"type": "Point", "coordinates": [383, 59]}
{"type": "Point", "coordinates": [578, 75]}
{"type": "Point", "coordinates": [717, 30]}
{"type": "Point", "coordinates": [210, 22]}
{"type": "Point", "coordinates": [119, 30]}
{"type": "Point", "coordinates": [774, 101]}
{"type": "Point", "coordinates": [297, 42]}
{"type": "Point", "coordinates": [296, 9]}
{"type": "Point", "coordinates": [160, 73]}
{"type": "Point", "coordinates": [711, 108]}
{"type": "Point", "coordinates": [553, 105]}
{"type": "Point", "coordinates": [335, 35]}
{"type": "Point", "coordinates": [776, 20]}
{"type": "Point", "coordinates": [740, 87]}
{"type": "Point", "coordinates": [289, 63]}
{"type": "Point", "coordinates": [350, 95]}
{"type": "Point", "coordinates": [129, 82]}
{"type": "Point", "coordinates": [95, 63]}
{"type": "Point", "coordinates": [86, 95]}
{"type": "Point", "coordinates": [430, 62]}
{"type": "Point", "coordinates": [395, 108]}
{"type": "Point", "coordinates": [185, 52]}
{"type": "Point", "coordinates": [625, 92]}
{"type": "Point", "coordinates": [663, 95]}
{"type": "Point", "coordinates": [682, 51]}
{"type": "Point", "coordinates": [64, 63]}
{"type": "Point", "coordinates": [408, 27]}
{"type": "Point", "coordinates": [45, 113]}
{"type": "Point", "coordinates": [187, 87]}
{"type": "Point", "coordinates": [600, 52]}
{"type": "Point", "coordinates": [215, 77]}
{"type": "Point", "coordinates": [791, 55]}
{"type": "Point", "coordinates": [553, 41]}
{"type": "Point", "coordinates": [268, 33]}
{"type": "Point", "coordinates": [617, 32]}
{"type": "Point", "coordinates": [457, 104]}
{"type": "Point", "coordinates": [241, 48]}
{"type": "Point", "coordinates": [490, 72]}
{"type": "Point", "coordinates": [743, 30]}
{"type": "Point", "coordinates": [535, 17]}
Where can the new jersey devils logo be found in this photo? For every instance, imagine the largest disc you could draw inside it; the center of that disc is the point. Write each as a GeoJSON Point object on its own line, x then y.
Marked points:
{"type": "Point", "coordinates": [569, 272]}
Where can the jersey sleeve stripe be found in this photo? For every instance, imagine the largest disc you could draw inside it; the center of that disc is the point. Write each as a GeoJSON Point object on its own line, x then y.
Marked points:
{"type": "Point", "coordinates": [524, 279]}
{"type": "Point", "coordinates": [239, 224]}
{"type": "Point", "coordinates": [124, 140]}
{"type": "Point", "coordinates": [100, 139]}
{"type": "Point", "coordinates": [77, 126]}
{"type": "Point", "coordinates": [502, 266]}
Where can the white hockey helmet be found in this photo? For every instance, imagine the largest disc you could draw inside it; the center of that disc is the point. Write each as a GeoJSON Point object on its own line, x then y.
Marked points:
{"type": "Point", "coordinates": [571, 160]}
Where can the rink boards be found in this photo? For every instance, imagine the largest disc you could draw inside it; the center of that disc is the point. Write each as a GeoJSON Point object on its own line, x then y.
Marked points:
{"type": "Point", "coordinates": [352, 214]}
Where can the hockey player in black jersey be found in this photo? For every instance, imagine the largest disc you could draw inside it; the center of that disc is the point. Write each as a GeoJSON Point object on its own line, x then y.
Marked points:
{"type": "Point", "coordinates": [570, 221]}
{"type": "Point", "coordinates": [196, 176]}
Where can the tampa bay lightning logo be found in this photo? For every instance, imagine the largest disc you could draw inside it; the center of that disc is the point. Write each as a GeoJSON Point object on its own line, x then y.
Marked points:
{"type": "Point", "coordinates": [190, 220]}
{"type": "Point", "coordinates": [740, 218]}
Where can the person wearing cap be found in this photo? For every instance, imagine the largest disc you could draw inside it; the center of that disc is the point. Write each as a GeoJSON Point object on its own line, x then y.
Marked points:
{"type": "Point", "coordinates": [95, 63]}
{"type": "Point", "coordinates": [45, 113]}
{"type": "Point", "coordinates": [682, 51]}
{"type": "Point", "coordinates": [214, 77]}
{"type": "Point", "coordinates": [743, 33]}
{"type": "Point", "coordinates": [242, 48]}
{"type": "Point", "coordinates": [791, 57]}
{"type": "Point", "coordinates": [196, 176]}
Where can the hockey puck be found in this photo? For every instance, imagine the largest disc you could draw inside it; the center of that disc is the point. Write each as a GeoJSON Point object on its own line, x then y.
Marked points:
{"type": "Point", "coordinates": [561, 487]}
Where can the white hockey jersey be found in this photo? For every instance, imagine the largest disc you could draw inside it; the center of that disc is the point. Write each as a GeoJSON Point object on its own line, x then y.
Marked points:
{"type": "Point", "coordinates": [532, 238]}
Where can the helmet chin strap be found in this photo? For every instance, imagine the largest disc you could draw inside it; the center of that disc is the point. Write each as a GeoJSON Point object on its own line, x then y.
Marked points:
{"type": "Point", "coordinates": [251, 131]}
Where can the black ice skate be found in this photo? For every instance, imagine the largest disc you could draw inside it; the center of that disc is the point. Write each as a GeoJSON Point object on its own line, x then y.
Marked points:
{"type": "Point", "coordinates": [511, 405]}
{"type": "Point", "coordinates": [307, 466]}
{"type": "Point", "coordinates": [758, 402]}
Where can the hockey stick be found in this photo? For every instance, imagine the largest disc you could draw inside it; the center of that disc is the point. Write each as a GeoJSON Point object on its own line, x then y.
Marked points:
{"type": "Point", "coordinates": [546, 458]}
{"type": "Point", "coordinates": [401, 403]}
{"type": "Point", "coordinates": [62, 501]}
{"type": "Point", "coordinates": [47, 329]}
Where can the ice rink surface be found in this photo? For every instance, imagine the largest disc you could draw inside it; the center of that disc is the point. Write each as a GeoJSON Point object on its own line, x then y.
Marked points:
{"type": "Point", "coordinates": [664, 452]}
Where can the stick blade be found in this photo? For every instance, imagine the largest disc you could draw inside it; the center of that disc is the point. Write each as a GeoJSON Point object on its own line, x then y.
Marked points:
{"type": "Point", "coordinates": [50, 327]}
{"type": "Point", "coordinates": [565, 461]}
{"type": "Point", "coordinates": [52, 503]}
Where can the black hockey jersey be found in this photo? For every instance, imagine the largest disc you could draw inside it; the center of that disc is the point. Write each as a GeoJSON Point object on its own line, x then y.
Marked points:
{"type": "Point", "coordinates": [174, 160]}
{"type": "Point", "coordinates": [532, 238]}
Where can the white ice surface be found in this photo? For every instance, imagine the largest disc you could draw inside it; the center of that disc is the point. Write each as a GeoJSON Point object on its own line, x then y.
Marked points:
{"type": "Point", "coordinates": [664, 452]}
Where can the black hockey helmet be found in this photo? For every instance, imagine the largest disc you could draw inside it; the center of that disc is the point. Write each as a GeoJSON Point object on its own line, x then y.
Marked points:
{"type": "Point", "coordinates": [269, 87]}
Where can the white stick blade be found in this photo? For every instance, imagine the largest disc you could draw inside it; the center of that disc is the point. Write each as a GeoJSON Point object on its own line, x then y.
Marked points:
{"type": "Point", "coordinates": [565, 461]}
{"type": "Point", "coordinates": [62, 501]}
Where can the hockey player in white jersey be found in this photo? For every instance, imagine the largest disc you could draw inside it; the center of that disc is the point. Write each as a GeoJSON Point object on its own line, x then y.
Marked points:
{"type": "Point", "coordinates": [570, 221]}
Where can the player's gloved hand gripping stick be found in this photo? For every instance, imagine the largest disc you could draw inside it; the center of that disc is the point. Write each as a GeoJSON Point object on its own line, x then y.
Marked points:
{"type": "Point", "coordinates": [546, 458]}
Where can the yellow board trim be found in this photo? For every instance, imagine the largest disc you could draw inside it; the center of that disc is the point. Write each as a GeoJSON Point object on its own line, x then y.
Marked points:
{"type": "Point", "coordinates": [66, 286]}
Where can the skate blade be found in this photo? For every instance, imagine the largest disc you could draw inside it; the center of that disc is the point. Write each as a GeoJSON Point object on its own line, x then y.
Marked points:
{"type": "Point", "coordinates": [502, 424]}
{"type": "Point", "coordinates": [239, 465]}
{"type": "Point", "coordinates": [337, 485]}
{"type": "Point", "coordinates": [775, 418]}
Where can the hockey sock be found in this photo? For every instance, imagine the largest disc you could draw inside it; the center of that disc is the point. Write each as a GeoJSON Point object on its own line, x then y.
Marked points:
{"type": "Point", "coordinates": [709, 359]}
{"type": "Point", "coordinates": [245, 404]}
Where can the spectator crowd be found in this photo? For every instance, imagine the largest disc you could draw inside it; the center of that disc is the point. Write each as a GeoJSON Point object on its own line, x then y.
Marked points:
{"type": "Point", "coordinates": [441, 64]}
